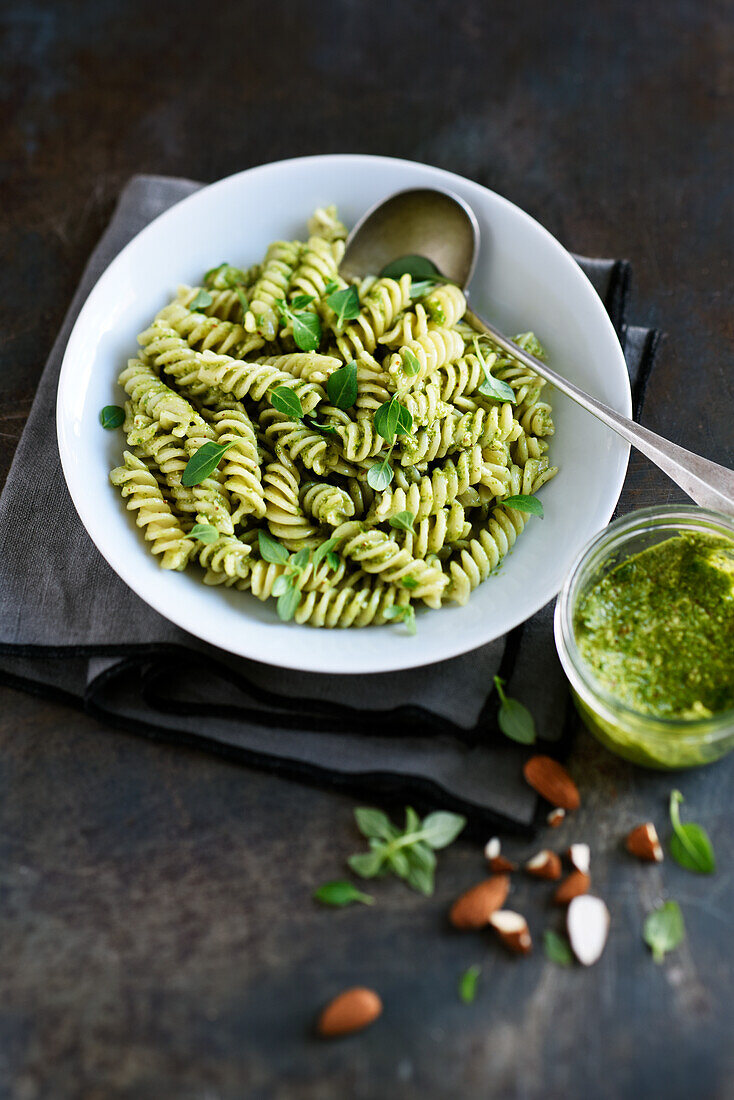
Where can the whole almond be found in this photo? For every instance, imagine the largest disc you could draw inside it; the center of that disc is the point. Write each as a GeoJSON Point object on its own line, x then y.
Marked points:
{"type": "Point", "coordinates": [474, 908]}
{"type": "Point", "coordinates": [546, 864]}
{"type": "Point", "coordinates": [512, 929]}
{"type": "Point", "coordinates": [587, 923]}
{"type": "Point", "coordinates": [552, 781]}
{"type": "Point", "coordinates": [576, 884]}
{"type": "Point", "coordinates": [351, 1010]}
{"type": "Point", "coordinates": [643, 842]}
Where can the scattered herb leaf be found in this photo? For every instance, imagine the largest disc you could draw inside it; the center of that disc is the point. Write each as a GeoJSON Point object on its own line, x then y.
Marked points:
{"type": "Point", "coordinates": [515, 720]}
{"type": "Point", "coordinates": [690, 845]}
{"type": "Point", "coordinates": [201, 300]}
{"type": "Point", "coordinates": [324, 550]}
{"type": "Point", "coordinates": [386, 419]}
{"type": "Point", "coordinates": [300, 559]}
{"type": "Point", "coordinates": [341, 386]}
{"type": "Point", "coordinates": [306, 326]}
{"type": "Point", "coordinates": [468, 984]}
{"type": "Point", "coordinates": [411, 363]}
{"type": "Point", "coordinates": [380, 475]}
{"type": "Point", "coordinates": [281, 584]}
{"type": "Point", "coordinates": [403, 521]}
{"type": "Point", "coordinates": [405, 420]}
{"type": "Point", "coordinates": [664, 929]}
{"type": "Point", "coordinates": [288, 602]}
{"type": "Point", "coordinates": [203, 463]}
{"type": "Point", "coordinates": [418, 267]}
{"type": "Point", "coordinates": [332, 560]}
{"type": "Point", "coordinates": [345, 304]}
{"type": "Point", "coordinates": [341, 893]}
{"type": "Point", "coordinates": [111, 416]}
{"type": "Point", "coordinates": [557, 948]}
{"type": "Point", "coordinates": [418, 289]}
{"type": "Point", "coordinates": [286, 401]}
{"type": "Point", "coordinates": [524, 502]}
{"type": "Point", "coordinates": [204, 532]}
{"type": "Point", "coordinates": [301, 301]}
{"type": "Point", "coordinates": [409, 582]}
{"type": "Point", "coordinates": [331, 286]}
{"type": "Point", "coordinates": [491, 386]}
{"type": "Point", "coordinates": [402, 613]}
{"type": "Point", "coordinates": [270, 549]}
{"type": "Point", "coordinates": [224, 277]}
{"type": "Point", "coordinates": [441, 828]}
{"type": "Point", "coordinates": [330, 429]}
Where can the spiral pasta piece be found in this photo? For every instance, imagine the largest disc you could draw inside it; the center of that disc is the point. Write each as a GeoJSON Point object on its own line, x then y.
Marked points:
{"type": "Point", "coordinates": [438, 347]}
{"type": "Point", "coordinates": [301, 443]}
{"type": "Point", "coordinates": [254, 380]}
{"type": "Point", "coordinates": [285, 516]}
{"type": "Point", "coordinates": [432, 533]}
{"type": "Point", "coordinates": [241, 466]}
{"type": "Point", "coordinates": [329, 505]}
{"type": "Point", "coordinates": [385, 299]}
{"type": "Point", "coordinates": [433, 491]}
{"type": "Point", "coordinates": [376, 552]}
{"type": "Point", "coordinates": [206, 333]}
{"type": "Point", "coordinates": [484, 553]}
{"type": "Point", "coordinates": [157, 400]}
{"type": "Point", "coordinates": [325, 222]}
{"type": "Point", "coordinates": [225, 560]}
{"type": "Point", "coordinates": [318, 266]}
{"type": "Point", "coordinates": [307, 365]}
{"type": "Point", "coordinates": [357, 601]}
{"type": "Point", "coordinates": [409, 326]}
{"type": "Point", "coordinates": [160, 526]}
{"type": "Point", "coordinates": [271, 286]}
{"type": "Point", "coordinates": [445, 305]}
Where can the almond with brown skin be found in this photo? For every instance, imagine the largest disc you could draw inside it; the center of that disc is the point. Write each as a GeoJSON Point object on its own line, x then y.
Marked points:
{"type": "Point", "coordinates": [474, 908]}
{"type": "Point", "coordinates": [512, 929]}
{"type": "Point", "coordinates": [555, 817]}
{"type": "Point", "coordinates": [643, 842]}
{"type": "Point", "coordinates": [501, 866]}
{"type": "Point", "coordinates": [546, 864]}
{"type": "Point", "coordinates": [552, 781]}
{"type": "Point", "coordinates": [576, 884]}
{"type": "Point", "coordinates": [350, 1011]}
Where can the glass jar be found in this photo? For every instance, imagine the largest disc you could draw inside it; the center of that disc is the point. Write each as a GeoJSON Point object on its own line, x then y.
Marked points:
{"type": "Point", "coordinates": [642, 738]}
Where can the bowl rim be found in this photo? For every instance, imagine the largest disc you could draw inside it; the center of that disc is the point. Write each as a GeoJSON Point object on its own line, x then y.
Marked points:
{"type": "Point", "coordinates": [457, 642]}
{"type": "Point", "coordinates": [578, 673]}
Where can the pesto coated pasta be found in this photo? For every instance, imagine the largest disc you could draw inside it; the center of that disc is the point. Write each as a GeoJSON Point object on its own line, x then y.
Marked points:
{"type": "Point", "coordinates": [352, 450]}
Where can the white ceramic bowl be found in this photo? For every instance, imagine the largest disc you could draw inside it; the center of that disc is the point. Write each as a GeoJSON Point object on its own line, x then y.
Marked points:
{"type": "Point", "coordinates": [524, 280]}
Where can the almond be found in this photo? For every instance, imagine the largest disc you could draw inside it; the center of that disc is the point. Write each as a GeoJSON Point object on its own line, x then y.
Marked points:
{"type": "Point", "coordinates": [577, 883]}
{"type": "Point", "coordinates": [474, 908]}
{"type": "Point", "coordinates": [587, 922]}
{"type": "Point", "coordinates": [552, 781]}
{"type": "Point", "coordinates": [492, 848]}
{"type": "Point", "coordinates": [501, 866]}
{"type": "Point", "coordinates": [579, 856]}
{"type": "Point", "coordinates": [555, 817]}
{"type": "Point", "coordinates": [350, 1011]}
{"type": "Point", "coordinates": [512, 929]}
{"type": "Point", "coordinates": [545, 864]}
{"type": "Point", "coordinates": [643, 842]}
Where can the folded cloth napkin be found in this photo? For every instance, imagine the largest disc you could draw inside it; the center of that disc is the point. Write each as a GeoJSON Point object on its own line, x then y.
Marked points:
{"type": "Point", "coordinates": [71, 629]}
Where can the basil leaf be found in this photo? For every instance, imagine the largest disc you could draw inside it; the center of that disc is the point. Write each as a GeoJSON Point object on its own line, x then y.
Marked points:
{"type": "Point", "coordinates": [398, 862]}
{"type": "Point", "coordinates": [203, 463]}
{"type": "Point", "coordinates": [514, 719]}
{"type": "Point", "coordinates": [664, 929]}
{"type": "Point", "coordinates": [405, 420]}
{"type": "Point", "coordinates": [374, 823]}
{"type": "Point", "coordinates": [300, 559]}
{"type": "Point", "coordinates": [418, 267]}
{"type": "Point", "coordinates": [496, 389]}
{"type": "Point", "coordinates": [367, 864]}
{"type": "Point", "coordinates": [288, 602]}
{"type": "Point", "coordinates": [403, 521]}
{"type": "Point", "coordinates": [281, 584]}
{"type": "Point", "coordinates": [524, 503]}
{"type": "Point", "coordinates": [111, 416]}
{"type": "Point", "coordinates": [301, 301]}
{"type": "Point", "coordinates": [401, 613]}
{"type": "Point", "coordinates": [421, 879]}
{"type": "Point", "coordinates": [386, 419]}
{"type": "Point", "coordinates": [380, 475]}
{"type": "Point", "coordinates": [204, 532]}
{"type": "Point", "coordinates": [417, 290]}
{"type": "Point", "coordinates": [321, 551]}
{"type": "Point", "coordinates": [306, 330]}
{"type": "Point", "coordinates": [332, 560]}
{"type": "Point", "coordinates": [411, 363]}
{"type": "Point", "coordinates": [441, 828]}
{"type": "Point", "coordinates": [412, 821]}
{"type": "Point", "coordinates": [340, 894]}
{"type": "Point", "coordinates": [345, 304]}
{"type": "Point", "coordinates": [341, 386]}
{"type": "Point", "coordinates": [270, 549]}
{"type": "Point", "coordinates": [202, 299]}
{"type": "Point", "coordinates": [224, 277]}
{"type": "Point", "coordinates": [468, 984]}
{"type": "Point", "coordinates": [557, 948]}
{"type": "Point", "coordinates": [331, 286]}
{"type": "Point", "coordinates": [690, 845]}
{"type": "Point", "coordinates": [286, 401]}
{"type": "Point", "coordinates": [408, 582]}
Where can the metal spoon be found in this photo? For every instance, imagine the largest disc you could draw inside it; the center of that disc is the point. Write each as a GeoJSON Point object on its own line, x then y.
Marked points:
{"type": "Point", "coordinates": [443, 228]}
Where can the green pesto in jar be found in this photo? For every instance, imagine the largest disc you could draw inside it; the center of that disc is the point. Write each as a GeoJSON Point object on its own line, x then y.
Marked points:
{"type": "Point", "coordinates": [658, 629]}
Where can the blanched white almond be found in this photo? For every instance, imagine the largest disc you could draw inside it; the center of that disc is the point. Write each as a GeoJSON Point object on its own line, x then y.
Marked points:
{"type": "Point", "coordinates": [587, 923]}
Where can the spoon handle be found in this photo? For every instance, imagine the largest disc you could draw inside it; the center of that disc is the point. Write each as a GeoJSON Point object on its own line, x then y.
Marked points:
{"type": "Point", "coordinates": [705, 482]}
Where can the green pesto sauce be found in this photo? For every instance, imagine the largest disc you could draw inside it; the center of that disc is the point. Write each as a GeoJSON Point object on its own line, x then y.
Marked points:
{"type": "Point", "coordinates": [658, 630]}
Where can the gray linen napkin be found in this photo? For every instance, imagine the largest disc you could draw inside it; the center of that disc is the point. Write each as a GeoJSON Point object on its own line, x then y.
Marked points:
{"type": "Point", "coordinates": [71, 629]}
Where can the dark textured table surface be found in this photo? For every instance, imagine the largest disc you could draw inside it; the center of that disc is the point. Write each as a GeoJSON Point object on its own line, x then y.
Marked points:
{"type": "Point", "coordinates": [157, 938]}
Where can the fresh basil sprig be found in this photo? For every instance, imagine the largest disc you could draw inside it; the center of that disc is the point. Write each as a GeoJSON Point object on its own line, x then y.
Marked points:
{"type": "Point", "coordinates": [391, 420]}
{"type": "Point", "coordinates": [524, 502]}
{"type": "Point", "coordinates": [111, 416]}
{"type": "Point", "coordinates": [468, 984]}
{"type": "Point", "coordinates": [286, 401]}
{"type": "Point", "coordinates": [402, 613]}
{"type": "Point", "coordinates": [306, 326]}
{"type": "Point", "coordinates": [341, 386]}
{"type": "Point", "coordinates": [204, 532]}
{"type": "Point", "coordinates": [340, 894]}
{"type": "Point", "coordinates": [690, 845]}
{"type": "Point", "coordinates": [515, 720]}
{"type": "Point", "coordinates": [491, 386]}
{"type": "Point", "coordinates": [664, 929]}
{"type": "Point", "coordinates": [345, 304]}
{"type": "Point", "coordinates": [201, 300]}
{"type": "Point", "coordinates": [203, 463]}
{"type": "Point", "coordinates": [557, 948]}
{"type": "Point", "coordinates": [408, 853]}
{"type": "Point", "coordinates": [285, 587]}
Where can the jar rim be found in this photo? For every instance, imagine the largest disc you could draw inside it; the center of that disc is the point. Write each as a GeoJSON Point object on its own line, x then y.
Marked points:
{"type": "Point", "coordinates": [600, 547]}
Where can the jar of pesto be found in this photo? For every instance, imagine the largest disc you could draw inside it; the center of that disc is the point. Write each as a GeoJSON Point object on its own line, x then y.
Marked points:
{"type": "Point", "coordinates": [644, 628]}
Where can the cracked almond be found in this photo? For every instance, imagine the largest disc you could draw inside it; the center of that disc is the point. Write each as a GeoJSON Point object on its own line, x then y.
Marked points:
{"type": "Point", "coordinates": [551, 780]}
{"type": "Point", "coordinates": [643, 842]}
{"type": "Point", "coordinates": [555, 817]}
{"type": "Point", "coordinates": [579, 856]}
{"type": "Point", "coordinates": [512, 929]}
{"type": "Point", "coordinates": [546, 864]}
